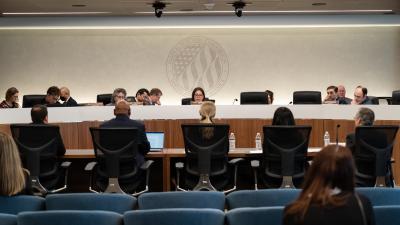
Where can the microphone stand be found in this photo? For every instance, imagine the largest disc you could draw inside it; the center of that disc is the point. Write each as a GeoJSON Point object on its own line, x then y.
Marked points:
{"type": "Point", "coordinates": [337, 135]}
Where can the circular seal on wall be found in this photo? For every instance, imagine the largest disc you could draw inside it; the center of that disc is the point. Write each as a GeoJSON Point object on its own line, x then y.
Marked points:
{"type": "Point", "coordinates": [197, 62]}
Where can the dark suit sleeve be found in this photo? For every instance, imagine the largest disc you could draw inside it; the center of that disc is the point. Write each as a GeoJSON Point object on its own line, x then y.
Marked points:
{"type": "Point", "coordinates": [144, 145]}
{"type": "Point", "coordinates": [71, 102]}
{"type": "Point", "coordinates": [60, 146]}
{"type": "Point", "coordinates": [350, 142]}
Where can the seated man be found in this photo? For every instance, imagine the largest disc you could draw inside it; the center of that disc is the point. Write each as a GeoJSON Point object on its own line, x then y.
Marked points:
{"type": "Point", "coordinates": [122, 112]}
{"type": "Point", "coordinates": [155, 95]}
{"type": "Point", "coordinates": [142, 97]}
{"type": "Point", "coordinates": [52, 97]}
{"type": "Point", "coordinates": [66, 97]}
{"type": "Point", "coordinates": [360, 96]}
{"type": "Point", "coordinates": [342, 99]}
{"type": "Point", "coordinates": [331, 95]}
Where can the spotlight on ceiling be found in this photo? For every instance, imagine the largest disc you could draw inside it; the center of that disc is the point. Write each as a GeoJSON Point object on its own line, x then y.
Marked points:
{"type": "Point", "coordinates": [158, 8]}
{"type": "Point", "coordinates": [239, 5]}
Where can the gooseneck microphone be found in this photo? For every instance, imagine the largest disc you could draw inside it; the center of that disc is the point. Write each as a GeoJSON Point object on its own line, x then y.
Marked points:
{"type": "Point", "coordinates": [337, 134]}
{"type": "Point", "coordinates": [234, 100]}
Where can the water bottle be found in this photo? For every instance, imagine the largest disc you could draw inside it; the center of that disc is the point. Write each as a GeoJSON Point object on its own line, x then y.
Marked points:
{"type": "Point", "coordinates": [232, 141]}
{"type": "Point", "coordinates": [258, 141]}
{"type": "Point", "coordinates": [327, 138]}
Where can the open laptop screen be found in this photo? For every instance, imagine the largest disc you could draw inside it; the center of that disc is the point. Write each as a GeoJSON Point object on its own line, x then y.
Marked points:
{"type": "Point", "coordinates": [156, 140]}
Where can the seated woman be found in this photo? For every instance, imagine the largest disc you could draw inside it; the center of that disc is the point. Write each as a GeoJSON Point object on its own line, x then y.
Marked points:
{"type": "Point", "coordinates": [270, 96]}
{"type": "Point", "coordinates": [207, 113]}
{"type": "Point", "coordinates": [198, 96]}
{"type": "Point", "coordinates": [118, 94]}
{"type": "Point", "coordinates": [14, 179]}
{"type": "Point", "coordinates": [11, 99]}
{"type": "Point", "coordinates": [283, 116]}
{"type": "Point", "coordinates": [328, 195]}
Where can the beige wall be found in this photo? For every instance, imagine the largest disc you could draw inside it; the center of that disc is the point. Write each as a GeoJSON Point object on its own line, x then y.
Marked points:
{"type": "Point", "coordinates": [279, 59]}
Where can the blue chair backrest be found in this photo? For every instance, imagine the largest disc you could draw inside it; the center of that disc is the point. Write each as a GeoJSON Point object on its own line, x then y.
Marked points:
{"type": "Point", "coordinates": [118, 203]}
{"type": "Point", "coordinates": [255, 216]}
{"type": "Point", "coordinates": [21, 203]}
{"type": "Point", "coordinates": [261, 198]}
{"type": "Point", "coordinates": [8, 219]}
{"type": "Point", "coordinates": [387, 215]}
{"type": "Point", "coordinates": [193, 199]}
{"type": "Point", "coordinates": [174, 217]}
{"type": "Point", "coordinates": [381, 196]}
{"type": "Point", "coordinates": [69, 217]}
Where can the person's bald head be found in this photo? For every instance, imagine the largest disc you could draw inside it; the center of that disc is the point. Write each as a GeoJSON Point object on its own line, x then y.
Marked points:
{"type": "Point", "coordinates": [64, 93]}
{"type": "Point", "coordinates": [122, 108]}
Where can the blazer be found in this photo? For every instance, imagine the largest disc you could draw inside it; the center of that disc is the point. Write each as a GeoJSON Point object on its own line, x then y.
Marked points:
{"type": "Point", "coordinates": [70, 102]}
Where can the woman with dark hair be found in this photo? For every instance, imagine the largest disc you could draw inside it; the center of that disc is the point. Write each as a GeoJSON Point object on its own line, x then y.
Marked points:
{"type": "Point", "coordinates": [270, 96]}
{"type": "Point", "coordinates": [283, 116]}
{"type": "Point", "coordinates": [11, 99]}
{"type": "Point", "coordinates": [328, 195]}
{"type": "Point", "coordinates": [198, 96]}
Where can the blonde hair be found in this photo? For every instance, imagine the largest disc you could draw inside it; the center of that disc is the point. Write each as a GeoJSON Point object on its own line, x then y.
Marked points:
{"type": "Point", "coordinates": [12, 179]}
{"type": "Point", "coordinates": [207, 112]}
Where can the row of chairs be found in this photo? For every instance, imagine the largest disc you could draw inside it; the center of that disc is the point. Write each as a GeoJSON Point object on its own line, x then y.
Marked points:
{"type": "Point", "coordinates": [246, 98]}
{"type": "Point", "coordinates": [120, 203]}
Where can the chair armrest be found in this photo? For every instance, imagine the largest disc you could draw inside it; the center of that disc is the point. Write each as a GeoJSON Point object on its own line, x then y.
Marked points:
{"type": "Point", "coordinates": [146, 165]}
{"type": "Point", "coordinates": [255, 163]}
{"type": "Point", "coordinates": [65, 164]}
{"type": "Point", "coordinates": [179, 165]}
{"type": "Point", "coordinates": [90, 166]}
{"type": "Point", "coordinates": [235, 161]}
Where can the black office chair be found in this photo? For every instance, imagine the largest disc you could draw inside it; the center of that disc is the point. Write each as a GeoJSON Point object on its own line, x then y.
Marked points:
{"type": "Point", "coordinates": [116, 169]}
{"type": "Point", "coordinates": [307, 97]}
{"type": "Point", "coordinates": [207, 166]}
{"type": "Point", "coordinates": [38, 146]}
{"type": "Point", "coordinates": [284, 158]}
{"type": "Point", "coordinates": [131, 99]}
{"type": "Point", "coordinates": [28, 101]}
{"type": "Point", "coordinates": [396, 97]}
{"type": "Point", "coordinates": [253, 98]}
{"type": "Point", "coordinates": [188, 101]}
{"type": "Point", "coordinates": [373, 152]}
{"type": "Point", "coordinates": [374, 100]}
{"type": "Point", "coordinates": [104, 98]}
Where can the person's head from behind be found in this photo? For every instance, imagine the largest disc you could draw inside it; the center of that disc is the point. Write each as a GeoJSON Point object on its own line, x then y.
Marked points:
{"type": "Point", "coordinates": [198, 95]}
{"type": "Point", "coordinates": [360, 93]}
{"type": "Point", "coordinates": [331, 169]}
{"type": "Point", "coordinates": [283, 116]}
{"type": "Point", "coordinates": [11, 171]}
{"type": "Point", "coordinates": [39, 114]}
{"type": "Point", "coordinates": [64, 93]}
{"type": "Point", "coordinates": [118, 94]}
{"type": "Point", "coordinates": [52, 95]}
{"type": "Point", "coordinates": [270, 96]}
{"type": "Point", "coordinates": [142, 95]}
{"type": "Point", "coordinates": [122, 108]}
{"type": "Point", "coordinates": [155, 95]}
{"type": "Point", "coordinates": [207, 112]}
{"type": "Point", "coordinates": [341, 91]}
{"type": "Point", "coordinates": [364, 117]}
{"type": "Point", "coordinates": [331, 93]}
{"type": "Point", "coordinates": [12, 95]}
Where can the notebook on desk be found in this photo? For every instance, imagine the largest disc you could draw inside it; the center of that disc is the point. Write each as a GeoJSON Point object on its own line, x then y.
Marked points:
{"type": "Point", "coordinates": [156, 140]}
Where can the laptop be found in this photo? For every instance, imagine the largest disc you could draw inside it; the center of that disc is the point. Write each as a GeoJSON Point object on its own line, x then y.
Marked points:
{"type": "Point", "coordinates": [156, 140]}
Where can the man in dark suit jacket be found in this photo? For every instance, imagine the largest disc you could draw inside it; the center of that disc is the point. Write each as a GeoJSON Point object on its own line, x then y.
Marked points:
{"type": "Point", "coordinates": [65, 96]}
{"type": "Point", "coordinates": [122, 112]}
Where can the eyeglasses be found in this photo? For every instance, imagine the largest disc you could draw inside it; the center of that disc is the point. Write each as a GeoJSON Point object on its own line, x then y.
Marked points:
{"type": "Point", "coordinates": [198, 94]}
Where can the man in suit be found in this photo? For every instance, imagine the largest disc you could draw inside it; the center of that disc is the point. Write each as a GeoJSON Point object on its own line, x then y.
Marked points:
{"type": "Point", "coordinates": [66, 97]}
{"type": "Point", "coordinates": [360, 96]}
{"type": "Point", "coordinates": [52, 97]}
{"type": "Point", "coordinates": [331, 95]}
{"type": "Point", "coordinates": [155, 95]}
{"type": "Point", "coordinates": [341, 93]}
{"type": "Point", "coordinates": [122, 111]}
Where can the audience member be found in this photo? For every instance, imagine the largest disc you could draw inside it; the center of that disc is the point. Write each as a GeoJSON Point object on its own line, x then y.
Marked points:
{"type": "Point", "coordinates": [66, 97]}
{"type": "Point", "coordinates": [207, 114]}
{"type": "Point", "coordinates": [283, 116]}
{"type": "Point", "coordinates": [342, 99]}
{"type": "Point", "coordinates": [14, 179]}
{"type": "Point", "coordinates": [52, 97]}
{"type": "Point", "coordinates": [328, 195]}
{"type": "Point", "coordinates": [122, 113]}
{"type": "Point", "coordinates": [270, 96]}
{"type": "Point", "coordinates": [364, 117]}
{"type": "Point", "coordinates": [360, 96]}
{"type": "Point", "coordinates": [11, 100]}
{"type": "Point", "coordinates": [331, 95]}
{"type": "Point", "coordinates": [198, 96]}
{"type": "Point", "coordinates": [142, 97]}
{"type": "Point", "coordinates": [155, 95]}
{"type": "Point", "coordinates": [118, 94]}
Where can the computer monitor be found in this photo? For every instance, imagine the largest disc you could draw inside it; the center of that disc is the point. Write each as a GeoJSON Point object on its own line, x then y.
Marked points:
{"type": "Point", "coordinates": [156, 140]}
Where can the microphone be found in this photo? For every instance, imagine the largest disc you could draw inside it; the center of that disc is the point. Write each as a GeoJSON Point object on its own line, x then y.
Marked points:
{"type": "Point", "coordinates": [290, 103]}
{"type": "Point", "coordinates": [337, 134]}
{"type": "Point", "coordinates": [234, 100]}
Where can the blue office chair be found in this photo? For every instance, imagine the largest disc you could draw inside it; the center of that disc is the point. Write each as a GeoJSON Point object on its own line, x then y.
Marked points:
{"type": "Point", "coordinates": [8, 219]}
{"type": "Point", "coordinates": [255, 216]}
{"type": "Point", "coordinates": [381, 196]}
{"type": "Point", "coordinates": [174, 217]}
{"type": "Point", "coordinates": [21, 203]}
{"type": "Point", "coordinates": [261, 198]}
{"type": "Point", "coordinates": [118, 203]}
{"type": "Point", "coordinates": [69, 217]}
{"type": "Point", "coordinates": [193, 199]}
{"type": "Point", "coordinates": [386, 215]}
